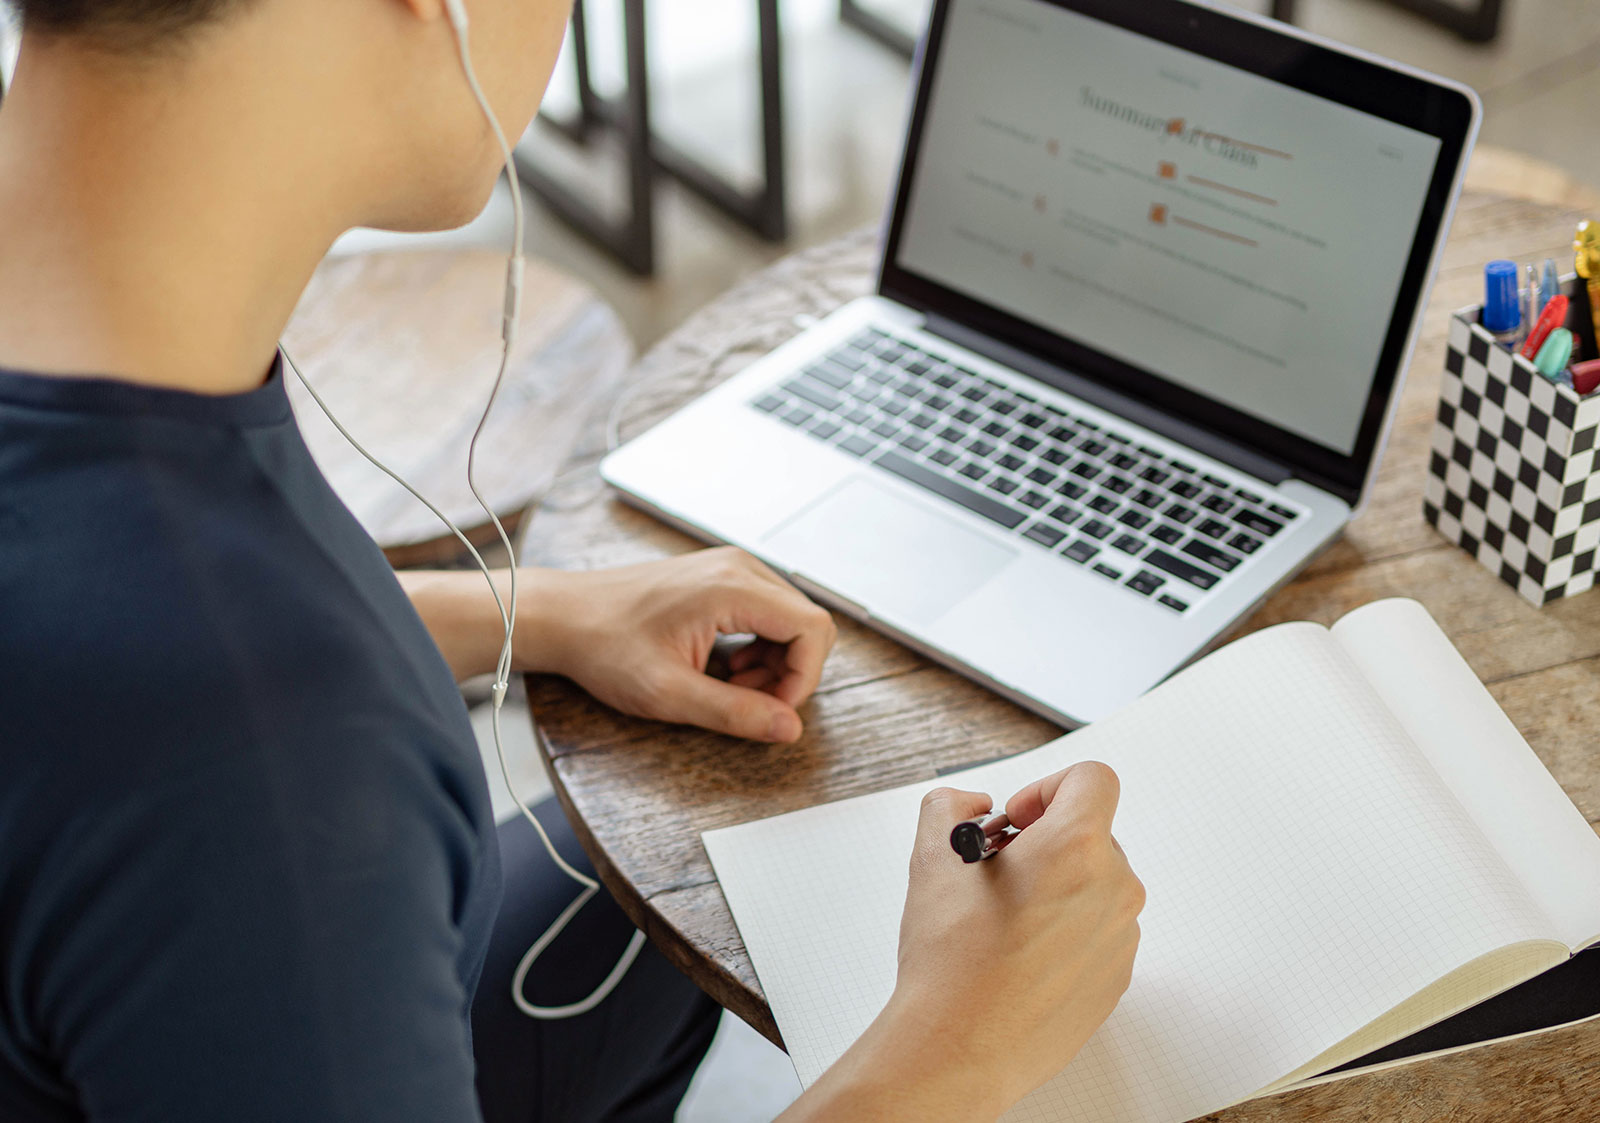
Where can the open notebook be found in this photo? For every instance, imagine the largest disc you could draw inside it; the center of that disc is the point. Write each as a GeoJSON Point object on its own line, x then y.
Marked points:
{"type": "Point", "coordinates": [1343, 839]}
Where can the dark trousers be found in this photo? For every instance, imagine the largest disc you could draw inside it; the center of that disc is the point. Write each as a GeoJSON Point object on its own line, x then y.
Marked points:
{"type": "Point", "coordinates": [631, 1058]}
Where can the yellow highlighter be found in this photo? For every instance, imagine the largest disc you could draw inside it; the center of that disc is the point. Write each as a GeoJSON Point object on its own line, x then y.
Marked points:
{"type": "Point", "coordinates": [1587, 247]}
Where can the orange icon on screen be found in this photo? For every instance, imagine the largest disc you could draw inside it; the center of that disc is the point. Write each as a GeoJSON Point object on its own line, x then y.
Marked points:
{"type": "Point", "coordinates": [1175, 126]}
{"type": "Point", "coordinates": [1168, 170]}
{"type": "Point", "coordinates": [1158, 214]}
{"type": "Point", "coordinates": [1027, 260]}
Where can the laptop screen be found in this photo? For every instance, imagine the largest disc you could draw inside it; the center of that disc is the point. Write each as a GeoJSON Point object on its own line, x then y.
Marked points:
{"type": "Point", "coordinates": [1190, 220]}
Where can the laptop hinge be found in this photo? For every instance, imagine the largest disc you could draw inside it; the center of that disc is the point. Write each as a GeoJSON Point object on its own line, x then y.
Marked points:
{"type": "Point", "coordinates": [1204, 441]}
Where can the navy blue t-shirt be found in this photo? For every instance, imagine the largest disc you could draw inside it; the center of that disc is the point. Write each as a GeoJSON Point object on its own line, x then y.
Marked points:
{"type": "Point", "coordinates": [248, 867]}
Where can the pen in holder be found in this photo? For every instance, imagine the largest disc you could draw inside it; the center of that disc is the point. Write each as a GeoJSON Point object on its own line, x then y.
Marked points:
{"type": "Point", "coordinates": [1511, 477]}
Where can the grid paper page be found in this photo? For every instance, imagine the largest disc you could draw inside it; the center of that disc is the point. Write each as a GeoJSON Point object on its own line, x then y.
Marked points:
{"type": "Point", "coordinates": [1307, 871]}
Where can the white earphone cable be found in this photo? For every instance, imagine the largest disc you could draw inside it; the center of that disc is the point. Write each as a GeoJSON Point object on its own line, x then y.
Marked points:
{"type": "Point", "coordinates": [511, 315]}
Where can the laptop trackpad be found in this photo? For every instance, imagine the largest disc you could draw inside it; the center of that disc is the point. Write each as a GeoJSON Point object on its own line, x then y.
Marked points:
{"type": "Point", "coordinates": [900, 560]}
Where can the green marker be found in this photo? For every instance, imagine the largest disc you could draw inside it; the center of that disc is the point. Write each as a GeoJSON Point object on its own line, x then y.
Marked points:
{"type": "Point", "coordinates": [1555, 354]}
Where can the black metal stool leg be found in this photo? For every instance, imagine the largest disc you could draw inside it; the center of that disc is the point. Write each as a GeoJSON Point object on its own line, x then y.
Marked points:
{"type": "Point", "coordinates": [765, 210]}
{"type": "Point", "coordinates": [631, 241]}
{"type": "Point", "coordinates": [875, 27]}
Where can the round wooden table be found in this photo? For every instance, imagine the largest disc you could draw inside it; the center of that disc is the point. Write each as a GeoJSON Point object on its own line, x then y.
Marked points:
{"type": "Point", "coordinates": [641, 793]}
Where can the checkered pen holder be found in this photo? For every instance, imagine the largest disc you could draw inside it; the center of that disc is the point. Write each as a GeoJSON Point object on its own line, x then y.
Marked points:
{"type": "Point", "coordinates": [1511, 479]}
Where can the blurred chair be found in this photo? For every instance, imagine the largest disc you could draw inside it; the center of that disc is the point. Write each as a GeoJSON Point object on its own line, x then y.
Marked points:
{"type": "Point", "coordinates": [1476, 23]}
{"type": "Point", "coordinates": [631, 240]}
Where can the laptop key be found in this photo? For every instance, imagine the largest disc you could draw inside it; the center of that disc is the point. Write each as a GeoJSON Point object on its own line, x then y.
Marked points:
{"type": "Point", "coordinates": [1034, 420]}
{"type": "Point", "coordinates": [1147, 497]}
{"type": "Point", "coordinates": [1206, 552]}
{"type": "Point", "coordinates": [974, 470]}
{"type": "Point", "coordinates": [1024, 442]}
{"type": "Point", "coordinates": [886, 428]}
{"type": "Point", "coordinates": [1003, 485]}
{"type": "Point", "coordinates": [1085, 469]}
{"type": "Point", "coordinates": [1155, 475]}
{"type": "Point", "coordinates": [1105, 570]}
{"type": "Point", "coordinates": [769, 403]}
{"type": "Point", "coordinates": [1188, 489]}
{"type": "Point", "coordinates": [944, 457]}
{"type": "Point", "coordinates": [1071, 490]}
{"type": "Point", "coordinates": [1215, 481]}
{"type": "Point", "coordinates": [1011, 463]}
{"type": "Point", "coordinates": [981, 448]}
{"type": "Point", "coordinates": [1129, 544]}
{"type": "Point", "coordinates": [1081, 551]}
{"type": "Point", "coordinates": [1063, 433]}
{"type": "Point", "coordinates": [1245, 543]}
{"type": "Point", "coordinates": [1211, 528]}
{"type": "Point", "coordinates": [1044, 477]}
{"type": "Point", "coordinates": [1092, 448]}
{"type": "Point", "coordinates": [831, 375]}
{"type": "Point", "coordinates": [1145, 583]}
{"type": "Point", "coordinates": [1065, 515]}
{"type": "Point", "coordinates": [1177, 567]}
{"type": "Point", "coordinates": [1168, 534]}
{"type": "Point", "coordinates": [966, 416]}
{"type": "Point", "coordinates": [1178, 513]}
{"type": "Point", "coordinates": [857, 416]}
{"type": "Point", "coordinates": [1103, 504]}
{"type": "Point", "coordinates": [1253, 520]}
{"type": "Point", "coordinates": [826, 431]}
{"type": "Point", "coordinates": [1096, 529]}
{"type": "Point", "coordinates": [924, 420]}
{"type": "Point", "coordinates": [894, 407]}
{"type": "Point", "coordinates": [1124, 461]}
{"type": "Point", "coordinates": [1121, 485]}
{"type": "Point", "coordinates": [1248, 496]}
{"type": "Point", "coordinates": [858, 445]}
{"type": "Point", "coordinates": [1138, 520]}
{"type": "Point", "coordinates": [997, 429]}
{"type": "Point", "coordinates": [1035, 500]}
{"type": "Point", "coordinates": [952, 433]}
{"type": "Point", "coordinates": [797, 415]}
{"type": "Point", "coordinates": [1056, 455]}
{"type": "Point", "coordinates": [913, 443]}
{"type": "Point", "coordinates": [1281, 511]}
{"type": "Point", "coordinates": [1004, 408]}
{"type": "Point", "coordinates": [939, 484]}
{"type": "Point", "coordinates": [1045, 535]}
{"type": "Point", "coordinates": [813, 393]}
{"type": "Point", "coordinates": [1174, 603]}
{"type": "Point", "coordinates": [1218, 504]}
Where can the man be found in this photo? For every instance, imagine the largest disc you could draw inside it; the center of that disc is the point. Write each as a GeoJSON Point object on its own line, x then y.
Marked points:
{"type": "Point", "coordinates": [247, 864]}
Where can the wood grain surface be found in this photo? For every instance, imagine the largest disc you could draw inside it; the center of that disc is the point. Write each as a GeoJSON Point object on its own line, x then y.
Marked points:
{"type": "Point", "coordinates": [404, 346]}
{"type": "Point", "coordinates": [641, 793]}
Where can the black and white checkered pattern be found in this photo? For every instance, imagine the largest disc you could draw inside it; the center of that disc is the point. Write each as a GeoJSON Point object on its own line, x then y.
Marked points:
{"type": "Point", "coordinates": [1511, 479]}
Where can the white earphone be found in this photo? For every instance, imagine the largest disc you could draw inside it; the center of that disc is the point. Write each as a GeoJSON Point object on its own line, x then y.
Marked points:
{"type": "Point", "coordinates": [456, 13]}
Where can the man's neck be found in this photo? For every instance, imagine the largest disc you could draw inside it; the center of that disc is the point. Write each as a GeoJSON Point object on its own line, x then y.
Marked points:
{"type": "Point", "coordinates": [151, 235]}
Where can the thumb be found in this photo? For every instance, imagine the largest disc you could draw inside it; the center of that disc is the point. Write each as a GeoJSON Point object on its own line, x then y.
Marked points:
{"type": "Point", "coordinates": [691, 697]}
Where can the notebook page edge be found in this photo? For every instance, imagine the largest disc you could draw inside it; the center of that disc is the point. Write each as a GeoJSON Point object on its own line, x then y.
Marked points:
{"type": "Point", "coordinates": [1481, 756]}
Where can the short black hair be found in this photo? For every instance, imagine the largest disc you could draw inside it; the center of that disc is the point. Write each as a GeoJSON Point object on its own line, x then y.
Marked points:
{"type": "Point", "coordinates": [132, 25]}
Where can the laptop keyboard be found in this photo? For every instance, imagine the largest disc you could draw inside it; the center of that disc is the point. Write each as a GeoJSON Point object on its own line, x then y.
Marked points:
{"type": "Point", "coordinates": [1126, 511]}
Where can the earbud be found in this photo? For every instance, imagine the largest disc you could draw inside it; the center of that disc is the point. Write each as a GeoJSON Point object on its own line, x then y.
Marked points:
{"type": "Point", "coordinates": [456, 12]}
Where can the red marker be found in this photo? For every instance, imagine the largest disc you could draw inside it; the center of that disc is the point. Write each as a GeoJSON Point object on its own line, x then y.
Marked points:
{"type": "Point", "coordinates": [1553, 316]}
{"type": "Point", "coordinates": [1586, 377]}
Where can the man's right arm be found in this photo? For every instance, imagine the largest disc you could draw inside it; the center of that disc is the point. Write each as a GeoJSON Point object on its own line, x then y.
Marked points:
{"type": "Point", "coordinates": [1005, 970]}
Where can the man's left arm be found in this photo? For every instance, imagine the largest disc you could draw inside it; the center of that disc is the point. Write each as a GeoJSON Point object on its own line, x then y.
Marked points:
{"type": "Point", "coordinates": [639, 638]}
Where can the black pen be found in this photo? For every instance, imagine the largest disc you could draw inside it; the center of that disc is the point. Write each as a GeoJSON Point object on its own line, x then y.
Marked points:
{"type": "Point", "coordinates": [980, 838]}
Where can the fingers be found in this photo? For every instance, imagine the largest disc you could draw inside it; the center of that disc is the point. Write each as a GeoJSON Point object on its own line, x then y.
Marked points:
{"type": "Point", "coordinates": [1085, 794]}
{"type": "Point", "coordinates": [800, 633]}
{"type": "Point", "coordinates": [942, 809]}
{"type": "Point", "coordinates": [690, 697]}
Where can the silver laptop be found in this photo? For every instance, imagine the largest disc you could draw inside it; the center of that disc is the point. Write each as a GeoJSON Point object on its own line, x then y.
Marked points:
{"type": "Point", "coordinates": [1149, 284]}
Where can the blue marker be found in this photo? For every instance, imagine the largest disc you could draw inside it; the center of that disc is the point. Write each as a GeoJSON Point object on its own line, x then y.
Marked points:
{"type": "Point", "coordinates": [1502, 317]}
